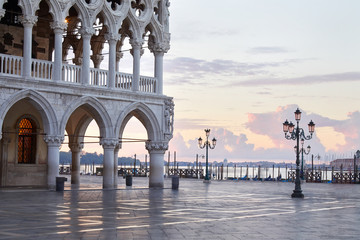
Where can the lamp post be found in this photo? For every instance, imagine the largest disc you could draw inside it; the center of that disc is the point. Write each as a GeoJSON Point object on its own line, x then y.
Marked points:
{"type": "Point", "coordinates": [292, 133]}
{"type": "Point", "coordinates": [207, 145]}
{"type": "Point", "coordinates": [303, 151]}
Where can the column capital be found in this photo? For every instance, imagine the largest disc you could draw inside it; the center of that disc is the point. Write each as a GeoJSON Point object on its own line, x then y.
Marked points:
{"type": "Point", "coordinates": [158, 48]}
{"type": "Point", "coordinates": [86, 32]}
{"type": "Point", "coordinates": [97, 59]}
{"type": "Point", "coordinates": [119, 56]}
{"type": "Point", "coordinates": [76, 147]}
{"type": "Point", "coordinates": [109, 142]}
{"type": "Point", "coordinates": [112, 37]}
{"type": "Point", "coordinates": [28, 20]}
{"type": "Point", "coordinates": [156, 146]}
{"type": "Point", "coordinates": [58, 26]}
{"type": "Point", "coordinates": [136, 43]}
{"type": "Point", "coordinates": [53, 140]}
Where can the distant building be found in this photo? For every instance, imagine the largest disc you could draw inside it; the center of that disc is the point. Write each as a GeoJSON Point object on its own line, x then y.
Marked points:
{"type": "Point", "coordinates": [347, 163]}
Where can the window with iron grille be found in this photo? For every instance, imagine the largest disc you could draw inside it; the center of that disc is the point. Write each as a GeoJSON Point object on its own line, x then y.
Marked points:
{"type": "Point", "coordinates": [26, 141]}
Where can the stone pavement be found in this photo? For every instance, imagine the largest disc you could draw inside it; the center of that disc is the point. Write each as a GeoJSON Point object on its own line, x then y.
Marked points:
{"type": "Point", "coordinates": [220, 210]}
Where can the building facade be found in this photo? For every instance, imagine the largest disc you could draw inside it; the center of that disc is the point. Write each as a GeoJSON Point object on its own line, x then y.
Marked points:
{"type": "Point", "coordinates": [45, 97]}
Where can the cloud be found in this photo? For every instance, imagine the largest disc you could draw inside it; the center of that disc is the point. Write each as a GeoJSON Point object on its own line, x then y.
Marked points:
{"type": "Point", "coordinates": [267, 50]}
{"type": "Point", "coordinates": [185, 70]}
{"type": "Point", "coordinates": [306, 80]}
{"type": "Point", "coordinates": [237, 147]}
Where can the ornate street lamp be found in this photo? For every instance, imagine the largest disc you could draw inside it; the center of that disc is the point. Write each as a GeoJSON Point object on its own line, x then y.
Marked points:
{"type": "Point", "coordinates": [303, 151]}
{"type": "Point", "coordinates": [207, 145]}
{"type": "Point", "coordinates": [292, 133]}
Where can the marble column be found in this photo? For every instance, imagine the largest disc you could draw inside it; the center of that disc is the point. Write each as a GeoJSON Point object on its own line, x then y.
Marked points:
{"type": "Point", "coordinates": [28, 23]}
{"type": "Point", "coordinates": [158, 71]}
{"type": "Point", "coordinates": [97, 59]}
{"type": "Point", "coordinates": [156, 152]}
{"type": "Point", "coordinates": [53, 155]}
{"type": "Point", "coordinates": [59, 28]}
{"type": "Point", "coordinates": [109, 145]}
{"type": "Point", "coordinates": [76, 149]}
{"type": "Point", "coordinates": [112, 39]}
{"type": "Point", "coordinates": [136, 52]}
{"type": "Point", "coordinates": [116, 156]}
{"type": "Point", "coordinates": [86, 34]}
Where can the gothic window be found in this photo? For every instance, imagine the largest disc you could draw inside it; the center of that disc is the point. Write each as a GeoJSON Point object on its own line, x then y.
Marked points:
{"type": "Point", "coordinates": [26, 141]}
{"type": "Point", "coordinates": [139, 6]}
{"type": "Point", "coordinates": [114, 2]}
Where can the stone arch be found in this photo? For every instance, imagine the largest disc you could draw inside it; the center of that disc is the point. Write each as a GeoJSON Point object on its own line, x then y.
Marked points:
{"type": "Point", "coordinates": [42, 105]}
{"type": "Point", "coordinates": [29, 7]}
{"type": "Point", "coordinates": [145, 115]}
{"type": "Point", "coordinates": [95, 109]}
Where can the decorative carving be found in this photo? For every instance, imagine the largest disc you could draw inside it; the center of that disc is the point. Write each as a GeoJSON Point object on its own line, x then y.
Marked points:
{"type": "Point", "coordinates": [76, 147]}
{"type": "Point", "coordinates": [139, 6]}
{"type": "Point", "coordinates": [87, 31]}
{"type": "Point", "coordinates": [114, 3]}
{"type": "Point", "coordinates": [112, 36]}
{"type": "Point", "coordinates": [109, 142]}
{"type": "Point", "coordinates": [59, 25]}
{"type": "Point", "coordinates": [8, 39]}
{"type": "Point", "coordinates": [28, 21]}
{"type": "Point", "coordinates": [156, 146]}
{"type": "Point", "coordinates": [53, 140]}
{"type": "Point", "coordinates": [136, 43]}
{"type": "Point", "coordinates": [169, 116]}
{"type": "Point", "coordinates": [166, 15]}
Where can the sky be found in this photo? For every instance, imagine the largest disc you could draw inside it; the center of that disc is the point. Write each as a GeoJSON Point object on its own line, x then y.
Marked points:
{"type": "Point", "coordinates": [241, 68]}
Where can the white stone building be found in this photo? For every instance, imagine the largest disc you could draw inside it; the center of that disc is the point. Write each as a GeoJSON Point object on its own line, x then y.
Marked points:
{"type": "Point", "coordinates": [43, 97]}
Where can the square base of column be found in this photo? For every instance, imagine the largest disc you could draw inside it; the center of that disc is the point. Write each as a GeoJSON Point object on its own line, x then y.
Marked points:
{"type": "Point", "coordinates": [206, 181]}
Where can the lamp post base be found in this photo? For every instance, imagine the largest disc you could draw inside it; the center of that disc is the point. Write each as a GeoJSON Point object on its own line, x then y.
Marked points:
{"type": "Point", "coordinates": [206, 181]}
{"type": "Point", "coordinates": [297, 194]}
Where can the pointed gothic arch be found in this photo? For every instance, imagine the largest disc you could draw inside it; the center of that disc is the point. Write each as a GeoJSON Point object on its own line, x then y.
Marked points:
{"type": "Point", "coordinates": [145, 115]}
{"type": "Point", "coordinates": [40, 103]}
{"type": "Point", "coordinates": [95, 109]}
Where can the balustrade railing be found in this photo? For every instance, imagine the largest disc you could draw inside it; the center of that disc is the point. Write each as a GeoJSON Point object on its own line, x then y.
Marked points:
{"type": "Point", "coordinates": [71, 73]}
{"type": "Point", "coordinates": [123, 81]}
{"type": "Point", "coordinates": [147, 84]}
{"type": "Point", "coordinates": [41, 69]}
{"type": "Point", "coordinates": [10, 65]}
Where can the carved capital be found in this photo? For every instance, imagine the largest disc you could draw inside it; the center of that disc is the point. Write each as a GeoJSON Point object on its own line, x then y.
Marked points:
{"type": "Point", "coordinates": [119, 56]}
{"type": "Point", "coordinates": [53, 141]}
{"type": "Point", "coordinates": [109, 142]}
{"type": "Point", "coordinates": [76, 147]}
{"type": "Point", "coordinates": [136, 43]}
{"type": "Point", "coordinates": [156, 146]}
{"type": "Point", "coordinates": [58, 26]}
{"type": "Point", "coordinates": [159, 47]}
{"type": "Point", "coordinates": [86, 32]}
{"type": "Point", "coordinates": [112, 37]}
{"type": "Point", "coordinates": [28, 21]}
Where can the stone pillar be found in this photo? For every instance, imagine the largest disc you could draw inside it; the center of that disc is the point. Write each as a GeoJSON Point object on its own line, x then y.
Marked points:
{"type": "Point", "coordinates": [112, 39]}
{"type": "Point", "coordinates": [86, 34]}
{"type": "Point", "coordinates": [109, 145]}
{"type": "Point", "coordinates": [156, 152]}
{"type": "Point", "coordinates": [54, 143]}
{"type": "Point", "coordinates": [28, 23]}
{"type": "Point", "coordinates": [75, 162]}
{"type": "Point", "coordinates": [158, 71]}
{"type": "Point", "coordinates": [116, 155]}
{"type": "Point", "coordinates": [136, 52]}
{"type": "Point", "coordinates": [59, 28]}
{"type": "Point", "coordinates": [4, 158]}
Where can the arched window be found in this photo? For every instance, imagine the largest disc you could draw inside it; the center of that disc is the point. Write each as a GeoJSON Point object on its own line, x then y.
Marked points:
{"type": "Point", "coordinates": [27, 141]}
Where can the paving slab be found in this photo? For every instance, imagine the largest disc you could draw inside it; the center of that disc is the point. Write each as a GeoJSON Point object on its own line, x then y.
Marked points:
{"type": "Point", "coordinates": [219, 210]}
